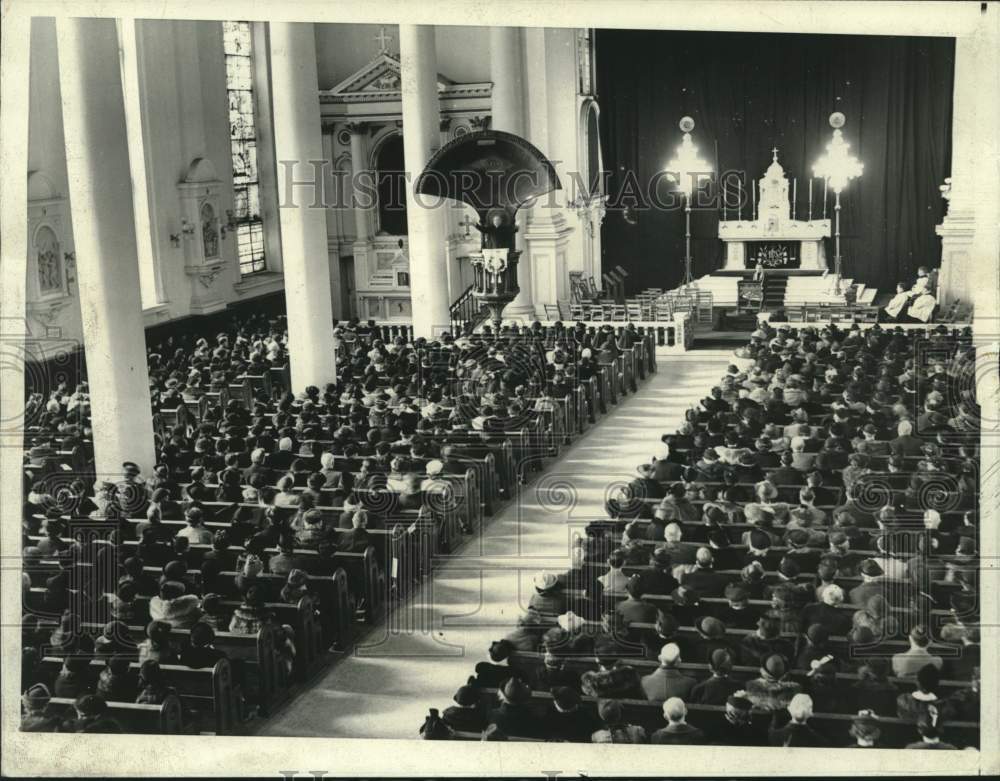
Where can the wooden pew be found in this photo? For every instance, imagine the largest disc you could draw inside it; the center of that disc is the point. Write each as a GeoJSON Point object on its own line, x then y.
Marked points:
{"type": "Point", "coordinates": [211, 688]}
{"type": "Point", "coordinates": [164, 719]}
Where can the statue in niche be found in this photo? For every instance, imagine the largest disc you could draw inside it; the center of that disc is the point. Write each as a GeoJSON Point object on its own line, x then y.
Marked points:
{"type": "Point", "coordinates": [49, 262]}
{"type": "Point", "coordinates": [499, 233]}
{"type": "Point", "coordinates": [209, 231]}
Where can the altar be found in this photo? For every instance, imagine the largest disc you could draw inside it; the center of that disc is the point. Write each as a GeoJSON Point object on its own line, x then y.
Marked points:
{"type": "Point", "coordinates": [772, 236]}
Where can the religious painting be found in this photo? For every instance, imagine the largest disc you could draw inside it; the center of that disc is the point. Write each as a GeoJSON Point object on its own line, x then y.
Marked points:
{"type": "Point", "coordinates": [48, 259]}
{"type": "Point", "coordinates": [209, 231]}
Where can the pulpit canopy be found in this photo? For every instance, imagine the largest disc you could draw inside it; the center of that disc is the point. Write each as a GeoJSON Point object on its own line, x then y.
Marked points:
{"type": "Point", "coordinates": [488, 170]}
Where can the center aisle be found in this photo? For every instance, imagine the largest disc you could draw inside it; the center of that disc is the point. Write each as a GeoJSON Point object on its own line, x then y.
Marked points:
{"type": "Point", "coordinates": [418, 657]}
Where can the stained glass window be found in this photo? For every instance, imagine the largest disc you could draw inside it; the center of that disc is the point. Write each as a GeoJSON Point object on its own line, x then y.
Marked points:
{"type": "Point", "coordinates": [238, 47]}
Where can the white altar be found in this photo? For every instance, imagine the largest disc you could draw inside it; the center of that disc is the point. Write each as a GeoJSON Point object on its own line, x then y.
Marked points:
{"type": "Point", "coordinates": [774, 223]}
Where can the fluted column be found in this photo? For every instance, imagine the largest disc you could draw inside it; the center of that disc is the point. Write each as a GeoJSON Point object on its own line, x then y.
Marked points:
{"type": "Point", "coordinates": [425, 220]}
{"type": "Point", "coordinates": [100, 190]}
{"type": "Point", "coordinates": [363, 186]}
{"type": "Point", "coordinates": [298, 146]}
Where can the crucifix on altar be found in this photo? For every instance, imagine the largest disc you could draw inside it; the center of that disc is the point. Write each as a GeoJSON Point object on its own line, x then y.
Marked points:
{"type": "Point", "coordinates": [772, 237]}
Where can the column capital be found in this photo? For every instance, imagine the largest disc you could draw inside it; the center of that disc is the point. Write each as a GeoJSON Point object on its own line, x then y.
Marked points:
{"type": "Point", "coordinates": [480, 123]}
{"type": "Point", "coordinates": [444, 123]}
{"type": "Point", "coordinates": [356, 128]}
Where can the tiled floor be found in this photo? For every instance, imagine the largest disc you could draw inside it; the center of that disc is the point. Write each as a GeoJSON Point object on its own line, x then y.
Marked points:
{"type": "Point", "coordinates": [425, 652]}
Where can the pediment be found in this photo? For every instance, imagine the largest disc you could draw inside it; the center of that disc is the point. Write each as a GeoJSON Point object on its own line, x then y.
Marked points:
{"type": "Point", "coordinates": [381, 75]}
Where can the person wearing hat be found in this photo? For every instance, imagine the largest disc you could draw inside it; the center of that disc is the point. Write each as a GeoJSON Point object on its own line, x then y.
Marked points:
{"type": "Point", "coordinates": [35, 716]}
{"type": "Point", "coordinates": [868, 443]}
{"type": "Point", "coordinates": [116, 683]}
{"type": "Point", "coordinates": [738, 727]}
{"type": "Point", "coordinates": [759, 548]}
{"type": "Point", "coordinates": [633, 609]}
{"type": "Point", "coordinates": [872, 583]}
{"type": "Point", "coordinates": [74, 678]}
{"type": "Point", "coordinates": [786, 473]}
{"type": "Point", "coordinates": [712, 638]}
{"type": "Point", "coordinates": [513, 715]}
{"type": "Point", "coordinates": [614, 677]}
{"type": "Point", "coordinates": [667, 680]}
{"type": "Point", "coordinates": [201, 652]}
{"type": "Point", "coordinates": [664, 630]}
{"type": "Point", "coordinates": [908, 663]}
{"type": "Point", "coordinates": [930, 731]}
{"type": "Point", "coordinates": [91, 716]}
{"type": "Point", "coordinates": [286, 559]}
{"type": "Point", "coordinates": [865, 730]}
{"type": "Point", "coordinates": [634, 502]}
{"type": "Point", "coordinates": [677, 731]}
{"type": "Point", "coordinates": [548, 597]}
{"type": "Point", "coordinates": [772, 690]}
{"type": "Point", "coordinates": [736, 614]}
{"type": "Point", "coordinates": [615, 729]}
{"type": "Point", "coordinates": [789, 725]}
{"type": "Point", "coordinates": [664, 469]}
{"type": "Point", "coordinates": [566, 719]}
{"type": "Point", "coordinates": [914, 705]}
{"type": "Point", "coordinates": [659, 579]}
{"type": "Point", "coordinates": [465, 715]}
{"type": "Point", "coordinates": [175, 607]}
{"type": "Point", "coordinates": [717, 688]}
{"type": "Point", "coordinates": [114, 639]}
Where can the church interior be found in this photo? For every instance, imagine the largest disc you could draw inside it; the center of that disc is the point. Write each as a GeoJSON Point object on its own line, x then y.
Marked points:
{"type": "Point", "coordinates": [494, 383]}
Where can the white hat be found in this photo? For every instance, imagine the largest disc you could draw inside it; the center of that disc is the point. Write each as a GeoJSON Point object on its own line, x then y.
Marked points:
{"type": "Point", "coordinates": [434, 468]}
{"type": "Point", "coordinates": [570, 621]}
{"type": "Point", "coordinates": [545, 580]}
{"type": "Point", "coordinates": [670, 654]}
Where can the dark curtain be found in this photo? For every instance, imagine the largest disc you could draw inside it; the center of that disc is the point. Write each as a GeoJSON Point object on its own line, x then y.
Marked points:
{"type": "Point", "coordinates": [750, 92]}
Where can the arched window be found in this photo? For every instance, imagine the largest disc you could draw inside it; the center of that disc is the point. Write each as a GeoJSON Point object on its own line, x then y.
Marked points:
{"type": "Point", "coordinates": [48, 262]}
{"type": "Point", "coordinates": [389, 170]}
{"type": "Point", "coordinates": [590, 149]}
{"type": "Point", "coordinates": [238, 46]}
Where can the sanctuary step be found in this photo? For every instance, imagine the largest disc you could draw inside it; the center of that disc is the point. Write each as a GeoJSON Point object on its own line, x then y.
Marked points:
{"type": "Point", "coordinates": [774, 290]}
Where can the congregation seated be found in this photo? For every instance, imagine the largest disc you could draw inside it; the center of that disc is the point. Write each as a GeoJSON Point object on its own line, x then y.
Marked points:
{"type": "Point", "coordinates": [800, 603]}
{"type": "Point", "coordinates": [260, 496]}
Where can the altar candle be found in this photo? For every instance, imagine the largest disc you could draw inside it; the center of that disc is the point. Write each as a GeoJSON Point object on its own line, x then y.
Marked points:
{"type": "Point", "coordinates": [739, 199]}
{"type": "Point", "coordinates": [725, 194]}
{"type": "Point", "coordinates": [795, 191]}
{"type": "Point", "coordinates": [825, 186]}
{"type": "Point", "coordinates": [753, 205]}
{"type": "Point", "coordinates": [810, 199]}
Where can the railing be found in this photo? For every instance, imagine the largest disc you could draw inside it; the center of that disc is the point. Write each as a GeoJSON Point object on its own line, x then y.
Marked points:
{"type": "Point", "coordinates": [466, 312]}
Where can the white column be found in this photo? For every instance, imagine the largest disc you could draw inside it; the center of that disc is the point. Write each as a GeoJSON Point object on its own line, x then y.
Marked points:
{"type": "Point", "coordinates": [507, 75]}
{"type": "Point", "coordinates": [968, 231]}
{"type": "Point", "coordinates": [15, 35]}
{"type": "Point", "coordinates": [425, 220]}
{"type": "Point", "coordinates": [332, 238]}
{"type": "Point", "coordinates": [100, 190]}
{"type": "Point", "coordinates": [362, 176]}
{"type": "Point", "coordinates": [298, 138]}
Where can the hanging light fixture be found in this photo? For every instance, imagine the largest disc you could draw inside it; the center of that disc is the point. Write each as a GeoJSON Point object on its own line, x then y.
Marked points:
{"type": "Point", "coordinates": [838, 167]}
{"type": "Point", "coordinates": [682, 170]}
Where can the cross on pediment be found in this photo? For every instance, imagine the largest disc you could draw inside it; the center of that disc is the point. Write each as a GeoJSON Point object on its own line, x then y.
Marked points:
{"type": "Point", "coordinates": [774, 154]}
{"type": "Point", "coordinates": [383, 41]}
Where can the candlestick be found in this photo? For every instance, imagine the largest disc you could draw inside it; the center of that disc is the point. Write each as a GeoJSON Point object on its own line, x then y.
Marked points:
{"type": "Point", "coordinates": [739, 199]}
{"type": "Point", "coordinates": [795, 191]}
{"type": "Point", "coordinates": [725, 193]}
{"type": "Point", "coordinates": [810, 199]}
{"type": "Point", "coordinates": [825, 183]}
{"type": "Point", "coordinates": [753, 205]}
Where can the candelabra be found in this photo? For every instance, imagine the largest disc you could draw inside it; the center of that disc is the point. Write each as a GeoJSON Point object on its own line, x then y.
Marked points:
{"type": "Point", "coordinates": [683, 168]}
{"type": "Point", "coordinates": [837, 166]}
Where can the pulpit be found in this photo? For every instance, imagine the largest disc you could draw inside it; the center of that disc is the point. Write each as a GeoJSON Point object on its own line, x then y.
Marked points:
{"type": "Point", "coordinates": [772, 238]}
